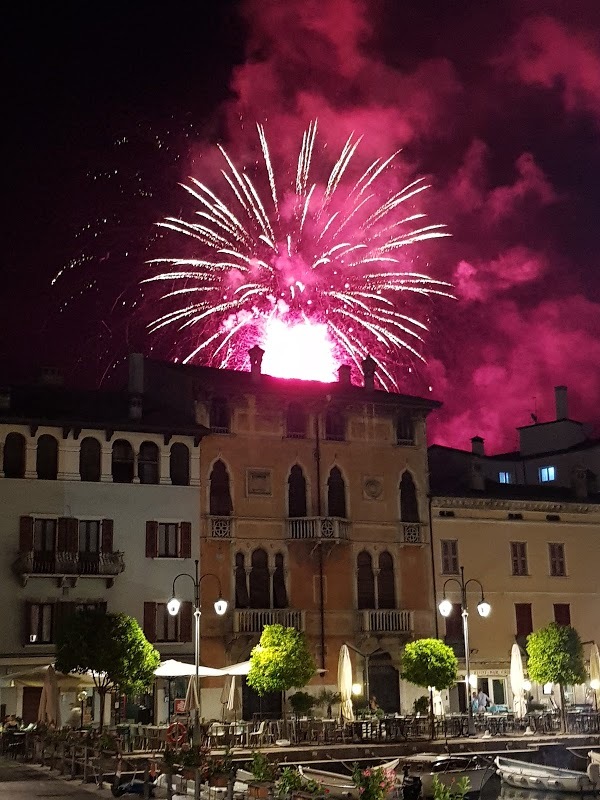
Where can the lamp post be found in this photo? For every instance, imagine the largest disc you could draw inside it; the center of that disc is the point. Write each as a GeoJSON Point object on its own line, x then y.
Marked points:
{"type": "Point", "coordinates": [173, 607]}
{"type": "Point", "coordinates": [82, 697]}
{"type": "Point", "coordinates": [484, 609]}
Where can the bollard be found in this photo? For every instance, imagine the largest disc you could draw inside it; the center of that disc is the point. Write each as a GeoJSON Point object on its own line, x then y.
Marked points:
{"type": "Point", "coordinates": [197, 785]}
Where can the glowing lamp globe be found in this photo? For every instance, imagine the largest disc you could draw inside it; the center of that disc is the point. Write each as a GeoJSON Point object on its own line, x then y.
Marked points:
{"type": "Point", "coordinates": [595, 684]}
{"type": "Point", "coordinates": [484, 608]}
{"type": "Point", "coordinates": [527, 685]}
{"type": "Point", "coordinates": [445, 607]}
{"type": "Point", "coordinates": [356, 688]}
{"type": "Point", "coordinates": [220, 606]}
{"type": "Point", "coordinates": [173, 606]}
{"type": "Point", "coordinates": [473, 681]}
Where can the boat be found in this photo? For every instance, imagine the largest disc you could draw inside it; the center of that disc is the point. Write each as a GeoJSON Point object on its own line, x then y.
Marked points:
{"type": "Point", "coordinates": [449, 769]}
{"type": "Point", "coordinates": [511, 793]}
{"type": "Point", "coordinates": [339, 785]}
{"type": "Point", "coordinates": [524, 775]}
{"type": "Point", "coordinates": [594, 757]}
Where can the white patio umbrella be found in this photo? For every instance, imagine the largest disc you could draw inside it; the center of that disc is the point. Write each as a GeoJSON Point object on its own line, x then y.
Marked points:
{"type": "Point", "coordinates": [191, 696]}
{"type": "Point", "coordinates": [595, 672]}
{"type": "Point", "coordinates": [345, 683]}
{"type": "Point", "coordinates": [517, 678]}
{"type": "Point", "coordinates": [49, 707]}
{"type": "Point", "coordinates": [179, 669]}
{"type": "Point", "coordinates": [243, 668]}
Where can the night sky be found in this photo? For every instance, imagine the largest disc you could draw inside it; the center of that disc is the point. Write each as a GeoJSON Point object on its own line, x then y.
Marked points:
{"type": "Point", "coordinates": [110, 105]}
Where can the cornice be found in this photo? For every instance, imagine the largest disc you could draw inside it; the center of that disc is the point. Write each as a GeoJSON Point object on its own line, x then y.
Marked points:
{"type": "Point", "coordinates": [498, 504]}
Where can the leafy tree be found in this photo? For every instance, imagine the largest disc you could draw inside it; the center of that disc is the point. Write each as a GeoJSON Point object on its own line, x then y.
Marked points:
{"type": "Point", "coordinates": [430, 663]}
{"type": "Point", "coordinates": [280, 661]}
{"type": "Point", "coordinates": [555, 655]}
{"type": "Point", "coordinates": [110, 646]}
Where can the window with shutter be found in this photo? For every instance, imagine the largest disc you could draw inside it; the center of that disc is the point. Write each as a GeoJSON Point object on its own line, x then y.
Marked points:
{"type": "Point", "coordinates": [523, 619]}
{"type": "Point", "coordinates": [185, 627]}
{"type": "Point", "coordinates": [107, 535]}
{"type": "Point", "coordinates": [61, 539]}
{"type": "Point", "coordinates": [25, 534]}
{"type": "Point", "coordinates": [151, 539]}
{"type": "Point", "coordinates": [186, 540]}
{"type": "Point", "coordinates": [150, 621]}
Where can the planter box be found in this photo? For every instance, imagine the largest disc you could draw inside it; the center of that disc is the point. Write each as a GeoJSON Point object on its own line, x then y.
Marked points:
{"type": "Point", "coordinates": [260, 789]}
{"type": "Point", "coordinates": [218, 780]}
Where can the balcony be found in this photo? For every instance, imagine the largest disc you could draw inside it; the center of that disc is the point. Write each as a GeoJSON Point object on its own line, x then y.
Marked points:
{"type": "Point", "coordinates": [253, 620]}
{"type": "Point", "coordinates": [387, 621]}
{"type": "Point", "coordinates": [412, 533]}
{"type": "Point", "coordinates": [221, 527]}
{"type": "Point", "coordinates": [65, 566]}
{"type": "Point", "coordinates": [332, 529]}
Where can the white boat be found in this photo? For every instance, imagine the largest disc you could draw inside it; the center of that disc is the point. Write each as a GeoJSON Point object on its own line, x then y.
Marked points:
{"type": "Point", "coordinates": [594, 757]}
{"type": "Point", "coordinates": [336, 784]}
{"type": "Point", "coordinates": [449, 769]}
{"type": "Point", "coordinates": [524, 775]}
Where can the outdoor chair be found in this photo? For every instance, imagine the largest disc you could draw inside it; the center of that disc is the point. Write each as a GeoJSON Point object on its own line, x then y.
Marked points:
{"type": "Point", "coordinates": [217, 735]}
{"type": "Point", "coordinates": [260, 736]}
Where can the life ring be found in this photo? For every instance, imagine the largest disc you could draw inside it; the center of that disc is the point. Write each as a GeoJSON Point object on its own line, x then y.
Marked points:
{"type": "Point", "coordinates": [177, 733]}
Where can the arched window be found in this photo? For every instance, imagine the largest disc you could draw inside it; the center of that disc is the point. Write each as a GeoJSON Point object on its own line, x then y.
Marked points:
{"type": "Point", "coordinates": [365, 581]}
{"type": "Point", "coordinates": [260, 595]}
{"type": "Point", "coordinates": [336, 494]}
{"type": "Point", "coordinates": [122, 461]}
{"type": "Point", "coordinates": [13, 462]}
{"type": "Point", "coordinates": [219, 415]}
{"type": "Point", "coordinates": [179, 464]}
{"type": "Point", "coordinates": [90, 454]}
{"type": "Point", "coordinates": [241, 585]}
{"type": "Point", "coordinates": [296, 492]}
{"type": "Point", "coordinates": [405, 429]}
{"type": "Point", "coordinates": [296, 421]}
{"type": "Point", "coordinates": [335, 425]}
{"type": "Point", "coordinates": [386, 591]}
{"type": "Point", "coordinates": [46, 461]}
{"type": "Point", "coordinates": [148, 463]}
{"type": "Point", "coordinates": [409, 508]}
{"type": "Point", "coordinates": [280, 599]}
{"type": "Point", "coordinates": [220, 496]}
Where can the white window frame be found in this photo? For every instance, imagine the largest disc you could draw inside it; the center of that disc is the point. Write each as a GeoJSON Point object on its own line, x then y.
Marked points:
{"type": "Point", "coordinates": [547, 474]}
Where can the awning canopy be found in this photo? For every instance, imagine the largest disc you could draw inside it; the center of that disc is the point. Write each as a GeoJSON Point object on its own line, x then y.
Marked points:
{"type": "Point", "coordinates": [178, 669]}
{"type": "Point", "coordinates": [37, 675]}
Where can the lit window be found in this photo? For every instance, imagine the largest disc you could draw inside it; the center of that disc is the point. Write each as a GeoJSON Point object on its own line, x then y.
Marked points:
{"type": "Point", "coordinates": [547, 474]}
{"type": "Point", "coordinates": [505, 477]}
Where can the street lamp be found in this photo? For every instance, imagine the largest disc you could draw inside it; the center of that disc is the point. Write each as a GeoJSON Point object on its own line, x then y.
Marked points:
{"type": "Point", "coordinates": [173, 608]}
{"type": "Point", "coordinates": [82, 697]}
{"type": "Point", "coordinates": [483, 609]}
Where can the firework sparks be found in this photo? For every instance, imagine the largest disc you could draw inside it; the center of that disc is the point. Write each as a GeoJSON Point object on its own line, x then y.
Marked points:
{"type": "Point", "coordinates": [316, 274]}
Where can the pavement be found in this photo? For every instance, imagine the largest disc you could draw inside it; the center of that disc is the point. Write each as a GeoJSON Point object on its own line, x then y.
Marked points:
{"type": "Point", "coordinates": [29, 781]}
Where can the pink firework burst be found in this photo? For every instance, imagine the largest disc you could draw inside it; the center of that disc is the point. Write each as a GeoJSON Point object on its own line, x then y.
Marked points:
{"type": "Point", "coordinates": [316, 272]}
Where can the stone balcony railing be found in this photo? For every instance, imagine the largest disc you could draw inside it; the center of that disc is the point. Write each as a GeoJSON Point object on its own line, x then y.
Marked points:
{"type": "Point", "coordinates": [412, 533]}
{"type": "Point", "coordinates": [311, 528]}
{"type": "Point", "coordinates": [63, 565]}
{"type": "Point", "coordinates": [220, 527]}
{"type": "Point", "coordinates": [253, 620]}
{"type": "Point", "coordinates": [387, 621]}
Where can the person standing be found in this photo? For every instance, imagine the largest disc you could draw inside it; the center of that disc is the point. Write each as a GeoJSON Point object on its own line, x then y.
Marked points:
{"type": "Point", "coordinates": [482, 701]}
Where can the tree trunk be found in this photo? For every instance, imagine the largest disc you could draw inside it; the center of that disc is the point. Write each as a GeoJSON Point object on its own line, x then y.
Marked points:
{"type": "Point", "coordinates": [563, 709]}
{"type": "Point", "coordinates": [284, 710]}
{"type": "Point", "coordinates": [431, 715]}
{"type": "Point", "coordinates": [102, 692]}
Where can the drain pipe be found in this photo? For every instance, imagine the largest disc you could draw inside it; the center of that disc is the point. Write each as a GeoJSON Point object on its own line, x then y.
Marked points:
{"type": "Point", "coordinates": [320, 547]}
{"type": "Point", "coordinates": [433, 584]}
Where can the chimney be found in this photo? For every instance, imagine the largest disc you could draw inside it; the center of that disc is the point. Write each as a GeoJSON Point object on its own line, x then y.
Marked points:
{"type": "Point", "coordinates": [560, 399]}
{"type": "Point", "coordinates": [256, 354]}
{"type": "Point", "coordinates": [579, 482]}
{"type": "Point", "coordinates": [477, 446]}
{"type": "Point", "coordinates": [136, 373]}
{"type": "Point", "coordinates": [344, 375]}
{"type": "Point", "coordinates": [135, 406]}
{"type": "Point", "coordinates": [369, 366]}
{"type": "Point", "coordinates": [477, 476]}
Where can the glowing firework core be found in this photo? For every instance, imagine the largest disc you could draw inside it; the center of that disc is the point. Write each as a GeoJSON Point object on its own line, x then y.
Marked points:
{"type": "Point", "coordinates": [316, 275]}
{"type": "Point", "coordinates": [301, 351]}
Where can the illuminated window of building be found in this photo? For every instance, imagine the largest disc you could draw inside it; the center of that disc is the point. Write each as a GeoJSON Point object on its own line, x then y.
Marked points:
{"type": "Point", "coordinates": [547, 474]}
{"type": "Point", "coordinates": [505, 477]}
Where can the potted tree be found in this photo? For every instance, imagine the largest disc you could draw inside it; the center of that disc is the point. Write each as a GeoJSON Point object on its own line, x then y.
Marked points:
{"type": "Point", "coordinates": [328, 698]}
{"type": "Point", "coordinates": [430, 663]}
{"type": "Point", "coordinates": [302, 703]}
{"type": "Point", "coordinates": [265, 772]}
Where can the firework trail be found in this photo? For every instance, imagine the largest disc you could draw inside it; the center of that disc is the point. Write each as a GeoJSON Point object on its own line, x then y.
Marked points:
{"type": "Point", "coordinates": [322, 261]}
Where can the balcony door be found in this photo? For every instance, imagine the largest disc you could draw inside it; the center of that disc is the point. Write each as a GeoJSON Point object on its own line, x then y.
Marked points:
{"type": "Point", "coordinates": [384, 683]}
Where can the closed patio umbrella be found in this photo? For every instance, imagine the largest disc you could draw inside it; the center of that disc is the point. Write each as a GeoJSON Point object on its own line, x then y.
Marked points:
{"type": "Point", "coordinates": [517, 678]}
{"type": "Point", "coordinates": [345, 683]}
{"type": "Point", "coordinates": [49, 708]}
{"type": "Point", "coordinates": [595, 672]}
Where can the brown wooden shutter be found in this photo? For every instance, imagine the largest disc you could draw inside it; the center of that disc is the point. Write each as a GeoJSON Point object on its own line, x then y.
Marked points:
{"type": "Point", "coordinates": [25, 534]}
{"type": "Point", "coordinates": [27, 623]}
{"type": "Point", "coordinates": [185, 622]}
{"type": "Point", "coordinates": [107, 535]}
{"type": "Point", "coordinates": [72, 535]}
{"type": "Point", "coordinates": [186, 541]}
{"type": "Point", "coordinates": [61, 540]}
{"type": "Point", "coordinates": [150, 621]}
{"type": "Point", "coordinates": [151, 539]}
{"type": "Point", "coordinates": [62, 611]}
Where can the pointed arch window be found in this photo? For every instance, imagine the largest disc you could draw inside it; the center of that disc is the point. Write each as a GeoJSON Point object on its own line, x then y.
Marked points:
{"type": "Point", "coordinates": [296, 492]}
{"type": "Point", "coordinates": [219, 417]}
{"type": "Point", "coordinates": [365, 580]}
{"type": "Point", "coordinates": [220, 504]}
{"type": "Point", "coordinates": [386, 591]}
{"type": "Point", "coordinates": [296, 421]}
{"type": "Point", "coordinates": [280, 599]}
{"type": "Point", "coordinates": [179, 464]}
{"type": "Point", "coordinates": [13, 461]}
{"type": "Point", "coordinates": [260, 594]}
{"type": "Point", "coordinates": [122, 462]}
{"type": "Point", "coordinates": [336, 494]}
{"type": "Point", "coordinates": [335, 425]}
{"type": "Point", "coordinates": [90, 453]}
{"type": "Point", "coordinates": [241, 583]}
{"type": "Point", "coordinates": [409, 507]}
{"type": "Point", "coordinates": [148, 463]}
{"type": "Point", "coordinates": [46, 461]}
